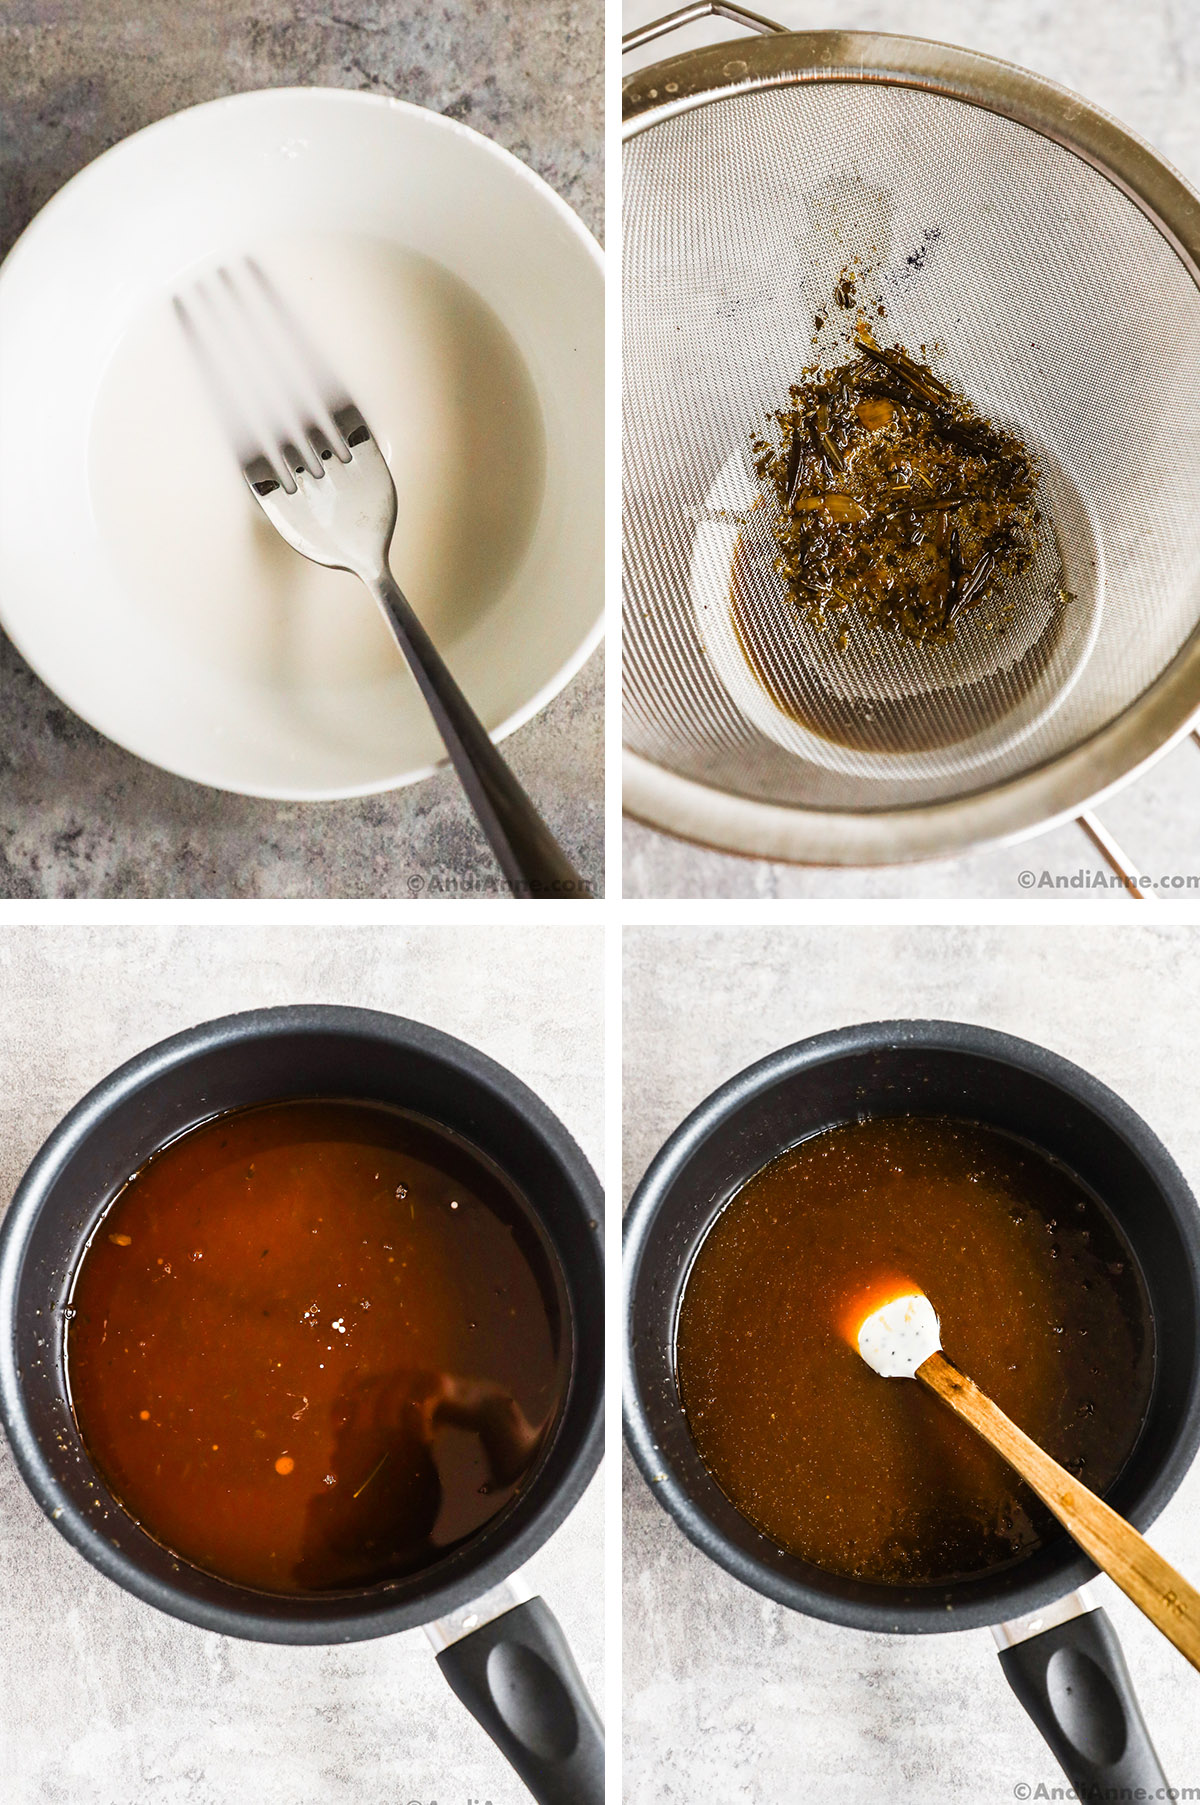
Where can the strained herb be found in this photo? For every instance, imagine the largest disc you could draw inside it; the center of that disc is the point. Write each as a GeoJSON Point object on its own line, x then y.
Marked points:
{"type": "Point", "coordinates": [893, 498]}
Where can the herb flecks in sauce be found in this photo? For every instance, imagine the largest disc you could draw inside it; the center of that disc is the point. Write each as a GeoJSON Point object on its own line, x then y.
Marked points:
{"type": "Point", "coordinates": [893, 498]}
{"type": "Point", "coordinates": [1039, 1300]}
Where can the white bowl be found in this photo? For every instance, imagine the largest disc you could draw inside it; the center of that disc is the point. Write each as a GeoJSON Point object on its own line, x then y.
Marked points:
{"type": "Point", "coordinates": [299, 694]}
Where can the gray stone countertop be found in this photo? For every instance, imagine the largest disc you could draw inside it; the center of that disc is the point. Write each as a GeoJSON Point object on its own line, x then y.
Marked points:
{"type": "Point", "coordinates": [109, 1701]}
{"type": "Point", "coordinates": [727, 1696]}
{"type": "Point", "coordinates": [1141, 63]}
{"type": "Point", "coordinates": [79, 816]}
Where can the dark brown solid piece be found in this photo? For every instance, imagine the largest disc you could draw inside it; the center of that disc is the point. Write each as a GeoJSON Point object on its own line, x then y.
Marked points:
{"type": "Point", "coordinates": [893, 498]}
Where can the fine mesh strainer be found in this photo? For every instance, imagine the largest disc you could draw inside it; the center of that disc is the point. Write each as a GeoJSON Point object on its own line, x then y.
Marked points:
{"type": "Point", "coordinates": [1054, 262]}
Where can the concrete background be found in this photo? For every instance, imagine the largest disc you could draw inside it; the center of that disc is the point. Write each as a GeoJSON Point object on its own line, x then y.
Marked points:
{"type": "Point", "coordinates": [80, 817]}
{"type": "Point", "coordinates": [1140, 61]}
{"type": "Point", "coordinates": [104, 1698]}
{"type": "Point", "coordinates": [727, 1696]}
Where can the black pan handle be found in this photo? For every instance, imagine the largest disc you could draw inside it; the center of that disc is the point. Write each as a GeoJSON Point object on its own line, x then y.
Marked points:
{"type": "Point", "coordinates": [1073, 1681]}
{"type": "Point", "coordinates": [517, 1676]}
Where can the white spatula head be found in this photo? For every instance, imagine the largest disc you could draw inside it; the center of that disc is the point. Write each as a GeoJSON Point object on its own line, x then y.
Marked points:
{"type": "Point", "coordinates": [900, 1336]}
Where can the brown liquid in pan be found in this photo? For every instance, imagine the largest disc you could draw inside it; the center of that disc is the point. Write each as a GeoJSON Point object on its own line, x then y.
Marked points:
{"type": "Point", "coordinates": [1040, 1303]}
{"type": "Point", "coordinates": [315, 1346]}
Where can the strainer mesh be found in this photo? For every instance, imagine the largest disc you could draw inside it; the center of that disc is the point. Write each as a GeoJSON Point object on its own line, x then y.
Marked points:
{"type": "Point", "coordinates": [1053, 303]}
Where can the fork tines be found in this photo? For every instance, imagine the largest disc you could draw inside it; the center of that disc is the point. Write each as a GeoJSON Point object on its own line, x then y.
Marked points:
{"type": "Point", "coordinates": [283, 408]}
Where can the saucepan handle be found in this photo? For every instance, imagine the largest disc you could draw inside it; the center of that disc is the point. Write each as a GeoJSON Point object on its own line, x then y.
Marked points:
{"type": "Point", "coordinates": [688, 15]}
{"type": "Point", "coordinates": [1073, 1681]}
{"type": "Point", "coordinates": [518, 1678]}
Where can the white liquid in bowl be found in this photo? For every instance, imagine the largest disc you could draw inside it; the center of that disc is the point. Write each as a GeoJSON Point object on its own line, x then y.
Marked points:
{"type": "Point", "coordinates": [452, 404]}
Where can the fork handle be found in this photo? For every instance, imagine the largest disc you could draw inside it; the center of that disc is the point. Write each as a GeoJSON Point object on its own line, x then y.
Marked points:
{"type": "Point", "coordinates": [533, 862]}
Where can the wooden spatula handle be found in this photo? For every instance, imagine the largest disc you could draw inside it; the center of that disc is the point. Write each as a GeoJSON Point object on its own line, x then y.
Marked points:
{"type": "Point", "coordinates": [1115, 1546]}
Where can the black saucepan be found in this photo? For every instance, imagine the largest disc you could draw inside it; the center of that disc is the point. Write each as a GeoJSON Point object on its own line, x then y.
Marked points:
{"type": "Point", "coordinates": [506, 1660]}
{"type": "Point", "coordinates": [1070, 1676]}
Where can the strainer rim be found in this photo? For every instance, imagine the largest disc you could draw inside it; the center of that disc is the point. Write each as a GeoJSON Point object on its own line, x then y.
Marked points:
{"type": "Point", "coordinates": [790, 834]}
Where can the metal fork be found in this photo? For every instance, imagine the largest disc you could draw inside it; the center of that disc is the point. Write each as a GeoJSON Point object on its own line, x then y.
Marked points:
{"type": "Point", "coordinates": [313, 466]}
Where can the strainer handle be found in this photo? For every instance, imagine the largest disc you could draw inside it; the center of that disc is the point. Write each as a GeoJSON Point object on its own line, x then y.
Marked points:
{"type": "Point", "coordinates": [688, 15]}
{"type": "Point", "coordinates": [1117, 861]}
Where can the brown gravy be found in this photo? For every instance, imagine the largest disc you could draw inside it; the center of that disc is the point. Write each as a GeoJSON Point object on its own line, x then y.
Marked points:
{"type": "Point", "coordinates": [315, 1345]}
{"type": "Point", "coordinates": [1040, 1302]}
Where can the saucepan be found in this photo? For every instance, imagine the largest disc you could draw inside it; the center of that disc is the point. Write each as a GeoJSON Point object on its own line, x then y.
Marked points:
{"type": "Point", "coordinates": [1061, 1658]}
{"type": "Point", "coordinates": [500, 1649]}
